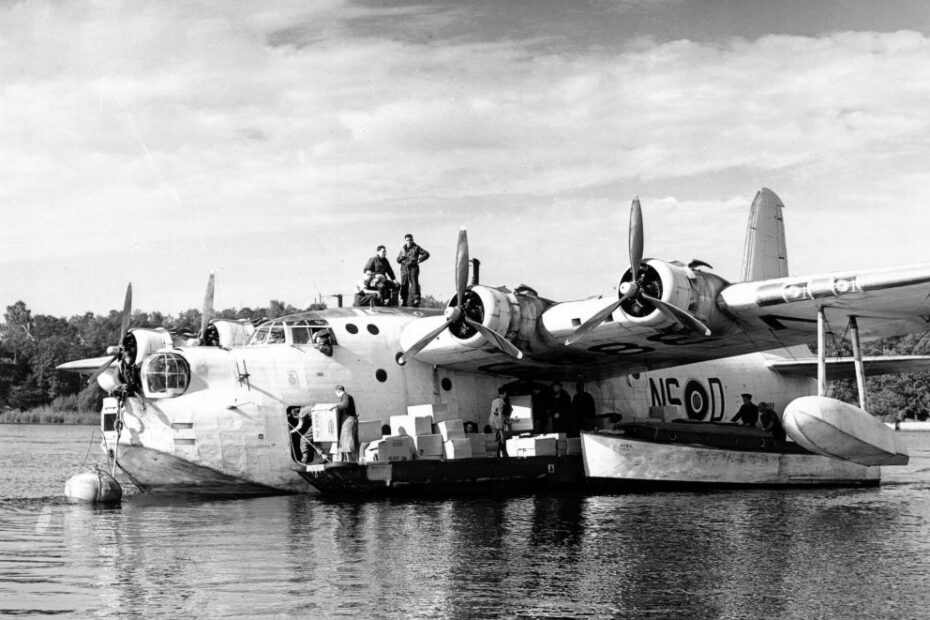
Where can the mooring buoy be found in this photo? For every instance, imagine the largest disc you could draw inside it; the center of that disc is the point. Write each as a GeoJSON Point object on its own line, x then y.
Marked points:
{"type": "Point", "coordinates": [97, 487]}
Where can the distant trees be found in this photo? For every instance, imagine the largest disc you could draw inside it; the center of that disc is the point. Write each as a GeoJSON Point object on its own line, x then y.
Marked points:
{"type": "Point", "coordinates": [32, 346]}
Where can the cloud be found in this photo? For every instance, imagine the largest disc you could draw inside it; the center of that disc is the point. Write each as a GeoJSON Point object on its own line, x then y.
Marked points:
{"type": "Point", "coordinates": [130, 126]}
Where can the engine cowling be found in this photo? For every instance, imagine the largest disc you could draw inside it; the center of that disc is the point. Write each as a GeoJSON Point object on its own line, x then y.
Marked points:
{"type": "Point", "coordinates": [678, 285]}
{"type": "Point", "coordinates": [512, 314]}
{"type": "Point", "coordinates": [228, 333]}
{"type": "Point", "coordinates": [142, 342]}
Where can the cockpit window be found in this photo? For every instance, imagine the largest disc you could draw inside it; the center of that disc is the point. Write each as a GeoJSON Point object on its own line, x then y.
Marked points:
{"type": "Point", "coordinates": [260, 335]}
{"type": "Point", "coordinates": [296, 332]}
{"type": "Point", "coordinates": [300, 333]}
{"type": "Point", "coordinates": [276, 335]}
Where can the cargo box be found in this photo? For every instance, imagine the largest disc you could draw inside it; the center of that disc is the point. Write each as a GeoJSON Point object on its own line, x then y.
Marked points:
{"type": "Point", "coordinates": [370, 430]}
{"type": "Point", "coordinates": [325, 422]}
{"type": "Point", "coordinates": [411, 425]}
{"type": "Point", "coordinates": [399, 448]}
{"type": "Point", "coordinates": [457, 448]}
{"type": "Point", "coordinates": [428, 445]}
{"type": "Point", "coordinates": [451, 429]}
{"type": "Point", "coordinates": [531, 446]}
{"type": "Point", "coordinates": [478, 447]}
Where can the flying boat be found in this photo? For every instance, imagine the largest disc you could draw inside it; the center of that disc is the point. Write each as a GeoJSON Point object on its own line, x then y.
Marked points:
{"type": "Point", "coordinates": [665, 358]}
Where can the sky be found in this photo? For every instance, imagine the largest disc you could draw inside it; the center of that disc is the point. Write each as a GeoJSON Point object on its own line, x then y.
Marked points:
{"type": "Point", "coordinates": [277, 144]}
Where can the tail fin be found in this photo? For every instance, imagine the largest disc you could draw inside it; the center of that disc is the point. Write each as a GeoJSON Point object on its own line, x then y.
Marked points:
{"type": "Point", "coordinates": [765, 255]}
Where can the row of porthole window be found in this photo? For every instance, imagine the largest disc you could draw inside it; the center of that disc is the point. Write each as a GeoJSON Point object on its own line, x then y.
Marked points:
{"type": "Point", "coordinates": [352, 328]}
{"type": "Point", "coordinates": [381, 374]}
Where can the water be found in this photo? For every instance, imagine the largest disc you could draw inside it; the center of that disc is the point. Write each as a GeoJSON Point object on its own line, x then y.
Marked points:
{"type": "Point", "coordinates": [734, 554]}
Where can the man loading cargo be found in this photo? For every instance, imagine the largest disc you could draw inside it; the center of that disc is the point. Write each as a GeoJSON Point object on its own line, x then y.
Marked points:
{"type": "Point", "coordinates": [348, 425]}
{"type": "Point", "coordinates": [748, 412]}
{"type": "Point", "coordinates": [303, 428]}
{"type": "Point", "coordinates": [499, 420]}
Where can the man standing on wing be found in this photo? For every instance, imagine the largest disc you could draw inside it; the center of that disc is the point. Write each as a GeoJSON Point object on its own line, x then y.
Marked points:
{"type": "Point", "coordinates": [410, 257]}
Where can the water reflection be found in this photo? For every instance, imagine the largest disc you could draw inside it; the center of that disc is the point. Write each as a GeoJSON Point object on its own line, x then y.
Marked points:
{"type": "Point", "coordinates": [758, 554]}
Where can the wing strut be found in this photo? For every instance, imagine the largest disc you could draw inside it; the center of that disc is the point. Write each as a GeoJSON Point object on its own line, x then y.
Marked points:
{"type": "Point", "coordinates": [857, 357]}
{"type": "Point", "coordinates": [821, 354]}
{"type": "Point", "coordinates": [857, 360]}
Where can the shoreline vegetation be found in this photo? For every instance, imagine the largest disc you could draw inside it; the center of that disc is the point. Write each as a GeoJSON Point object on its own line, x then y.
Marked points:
{"type": "Point", "coordinates": [50, 415]}
{"type": "Point", "coordinates": [34, 391]}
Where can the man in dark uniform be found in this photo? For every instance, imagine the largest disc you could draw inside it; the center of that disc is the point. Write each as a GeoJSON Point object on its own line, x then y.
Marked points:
{"type": "Point", "coordinates": [410, 257]}
{"type": "Point", "coordinates": [379, 264]}
{"type": "Point", "coordinates": [583, 409]}
{"type": "Point", "coordinates": [561, 404]}
{"type": "Point", "coordinates": [748, 412]}
{"type": "Point", "coordinates": [771, 423]}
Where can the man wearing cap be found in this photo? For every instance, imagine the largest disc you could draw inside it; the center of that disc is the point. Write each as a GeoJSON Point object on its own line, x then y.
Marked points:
{"type": "Point", "coordinates": [410, 257]}
{"type": "Point", "coordinates": [348, 425]}
{"type": "Point", "coordinates": [748, 412]}
{"type": "Point", "coordinates": [380, 265]}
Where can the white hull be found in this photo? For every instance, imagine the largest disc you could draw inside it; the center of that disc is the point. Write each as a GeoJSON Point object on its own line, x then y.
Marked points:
{"type": "Point", "coordinates": [160, 472]}
{"type": "Point", "coordinates": [623, 460]}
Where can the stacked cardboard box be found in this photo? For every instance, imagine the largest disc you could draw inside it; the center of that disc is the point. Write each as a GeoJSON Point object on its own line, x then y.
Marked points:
{"type": "Point", "coordinates": [451, 429]}
{"type": "Point", "coordinates": [457, 448]}
{"type": "Point", "coordinates": [479, 448]}
{"type": "Point", "coordinates": [325, 422]}
{"type": "Point", "coordinates": [368, 431]}
{"type": "Point", "coordinates": [532, 446]}
{"type": "Point", "coordinates": [411, 425]}
{"type": "Point", "coordinates": [439, 412]}
{"type": "Point", "coordinates": [389, 449]}
{"type": "Point", "coordinates": [428, 446]}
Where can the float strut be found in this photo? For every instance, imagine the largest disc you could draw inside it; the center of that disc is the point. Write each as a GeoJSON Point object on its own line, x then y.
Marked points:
{"type": "Point", "coordinates": [821, 355]}
{"type": "Point", "coordinates": [857, 359]}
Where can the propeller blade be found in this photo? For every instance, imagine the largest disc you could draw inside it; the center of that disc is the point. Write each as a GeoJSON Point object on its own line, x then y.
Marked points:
{"type": "Point", "coordinates": [127, 314]}
{"type": "Point", "coordinates": [596, 319]}
{"type": "Point", "coordinates": [688, 320]}
{"type": "Point", "coordinates": [636, 238]}
{"type": "Point", "coordinates": [420, 344]}
{"type": "Point", "coordinates": [461, 266]}
{"type": "Point", "coordinates": [207, 314]}
{"type": "Point", "coordinates": [101, 369]}
{"type": "Point", "coordinates": [499, 341]}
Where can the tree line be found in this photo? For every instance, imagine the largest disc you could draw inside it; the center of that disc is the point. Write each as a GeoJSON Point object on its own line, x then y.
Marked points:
{"type": "Point", "coordinates": [31, 346]}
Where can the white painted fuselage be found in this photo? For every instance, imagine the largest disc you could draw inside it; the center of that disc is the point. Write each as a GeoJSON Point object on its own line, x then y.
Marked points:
{"type": "Point", "coordinates": [228, 431]}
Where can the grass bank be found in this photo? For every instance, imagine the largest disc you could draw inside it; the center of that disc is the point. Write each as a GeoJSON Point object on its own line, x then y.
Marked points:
{"type": "Point", "coordinates": [48, 415]}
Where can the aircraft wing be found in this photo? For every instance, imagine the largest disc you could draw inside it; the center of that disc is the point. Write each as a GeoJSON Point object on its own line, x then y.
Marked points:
{"type": "Point", "coordinates": [887, 302]}
{"type": "Point", "coordinates": [743, 318]}
{"type": "Point", "coordinates": [88, 365]}
{"type": "Point", "coordinates": [844, 367]}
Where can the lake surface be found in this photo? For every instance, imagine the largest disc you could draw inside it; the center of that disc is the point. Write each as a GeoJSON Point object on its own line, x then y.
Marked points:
{"type": "Point", "coordinates": [729, 554]}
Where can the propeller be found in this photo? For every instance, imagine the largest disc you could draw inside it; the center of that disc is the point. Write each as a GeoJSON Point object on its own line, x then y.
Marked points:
{"type": "Point", "coordinates": [635, 288]}
{"type": "Point", "coordinates": [124, 327]}
{"type": "Point", "coordinates": [460, 315]}
{"type": "Point", "coordinates": [207, 314]}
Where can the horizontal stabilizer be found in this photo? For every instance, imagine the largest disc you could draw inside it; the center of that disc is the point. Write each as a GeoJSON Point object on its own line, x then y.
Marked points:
{"type": "Point", "coordinates": [86, 365]}
{"type": "Point", "coordinates": [844, 367]}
